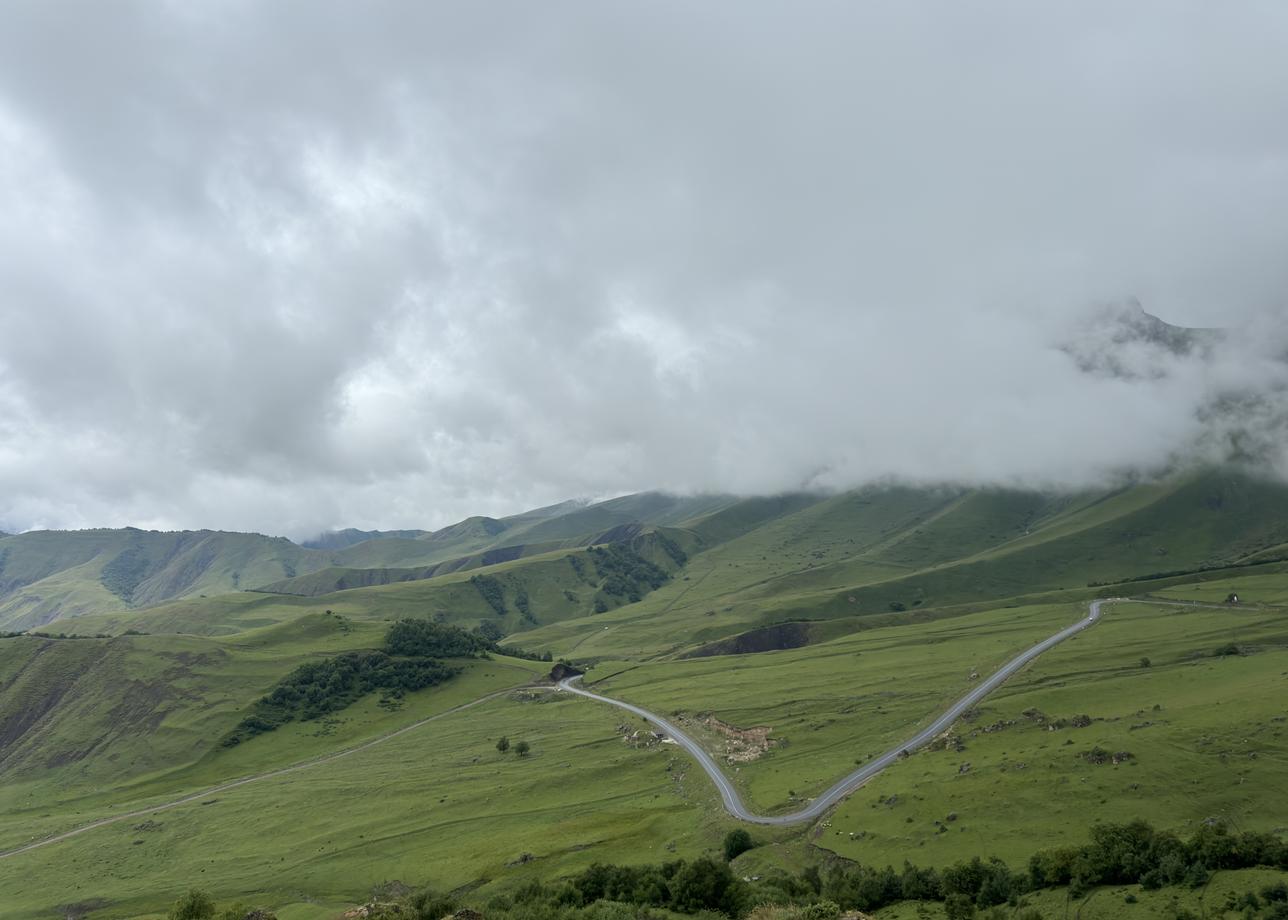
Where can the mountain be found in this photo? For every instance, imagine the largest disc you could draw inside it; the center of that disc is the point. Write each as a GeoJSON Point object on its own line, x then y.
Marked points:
{"type": "Point", "coordinates": [796, 636]}
{"type": "Point", "coordinates": [341, 539]}
{"type": "Point", "coordinates": [51, 575]}
{"type": "Point", "coordinates": [1124, 341]}
{"type": "Point", "coordinates": [47, 575]}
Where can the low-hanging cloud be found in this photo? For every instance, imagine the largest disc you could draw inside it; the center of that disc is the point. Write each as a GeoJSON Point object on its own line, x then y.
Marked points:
{"type": "Point", "coordinates": [298, 265]}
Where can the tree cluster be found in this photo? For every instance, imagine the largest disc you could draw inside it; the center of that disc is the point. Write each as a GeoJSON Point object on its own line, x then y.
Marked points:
{"type": "Point", "coordinates": [492, 591]}
{"type": "Point", "coordinates": [625, 573]}
{"type": "Point", "coordinates": [409, 661]}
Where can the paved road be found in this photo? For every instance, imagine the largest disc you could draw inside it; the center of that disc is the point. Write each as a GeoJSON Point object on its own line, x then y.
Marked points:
{"type": "Point", "coordinates": [727, 792]}
{"type": "Point", "coordinates": [733, 802]}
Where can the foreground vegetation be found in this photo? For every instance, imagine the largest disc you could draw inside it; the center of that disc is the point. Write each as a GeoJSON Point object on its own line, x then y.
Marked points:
{"type": "Point", "coordinates": [1121, 854]}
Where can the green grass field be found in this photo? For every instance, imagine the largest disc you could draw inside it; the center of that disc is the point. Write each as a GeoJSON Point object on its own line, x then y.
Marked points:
{"type": "Point", "coordinates": [95, 727]}
{"type": "Point", "coordinates": [438, 804]}
{"type": "Point", "coordinates": [1216, 746]}
{"type": "Point", "coordinates": [833, 705]}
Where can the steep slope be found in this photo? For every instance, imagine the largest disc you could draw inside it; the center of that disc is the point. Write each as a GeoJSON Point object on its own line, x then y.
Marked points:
{"type": "Point", "coordinates": [506, 598]}
{"type": "Point", "coordinates": [47, 575]}
{"type": "Point", "coordinates": [874, 554]}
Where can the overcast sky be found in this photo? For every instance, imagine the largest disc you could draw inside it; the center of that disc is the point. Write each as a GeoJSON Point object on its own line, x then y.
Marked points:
{"type": "Point", "coordinates": [296, 265]}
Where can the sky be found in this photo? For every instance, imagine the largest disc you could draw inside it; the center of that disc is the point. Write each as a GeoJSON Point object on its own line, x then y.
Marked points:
{"type": "Point", "coordinates": [300, 265]}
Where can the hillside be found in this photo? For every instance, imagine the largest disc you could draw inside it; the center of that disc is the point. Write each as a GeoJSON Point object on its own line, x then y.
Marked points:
{"type": "Point", "coordinates": [52, 575]}
{"type": "Point", "coordinates": [741, 566]}
{"type": "Point", "coordinates": [48, 575]}
{"type": "Point", "coordinates": [795, 636]}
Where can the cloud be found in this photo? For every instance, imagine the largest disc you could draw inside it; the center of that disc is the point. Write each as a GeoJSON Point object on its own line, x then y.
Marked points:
{"type": "Point", "coordinates": [301, 265]}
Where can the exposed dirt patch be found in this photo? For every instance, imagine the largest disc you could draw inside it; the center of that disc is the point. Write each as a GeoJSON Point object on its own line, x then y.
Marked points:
{"type": "Point", "coordinates": [736, 745]}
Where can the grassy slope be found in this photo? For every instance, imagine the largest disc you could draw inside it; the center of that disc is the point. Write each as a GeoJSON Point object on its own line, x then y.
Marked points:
{"type": "Point", "coordinates": [437, 804]}
{"type": "Point", "coordinates": [1215, 747]}
{"type": "Point", "coordinates": [761, 560]}
{"type": "Point", "coordinates": [48, 575]}
{"type": "Point", "coordinates": [553, 584]}
{"type": "Point", "coordinates": [451, 811]}
{"type": "Point", "coordinates": [849, 556]}
{"type": "Point", "coordinates": [837, 703]}
{"type": "Point", "coordinates": [52, 574]}
{"type": "Point", "coordinates": [91, 722]}
{"type": "Point", "coordinates": [1110, 902]}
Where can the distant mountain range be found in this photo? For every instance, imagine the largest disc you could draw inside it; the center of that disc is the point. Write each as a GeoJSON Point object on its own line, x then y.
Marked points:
{"type": "Point", "coordinates": [878, 549]}
{"type": "Point", "coordinates": [48, 575]}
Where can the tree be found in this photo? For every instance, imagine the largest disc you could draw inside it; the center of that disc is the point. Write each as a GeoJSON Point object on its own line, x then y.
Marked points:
{"type": "Point", "coordinates": [195, 905]}
{"type": "Point", "coordinates": [736, 843]}
{"type": "Point", "coordinates": [959, 907]}
{"type": "Point", "coordinates": [1145, 662]}
{"type": "Point", "coordinates": [522, 748]}
{"type": "Point", "coordinates": [503, 744]}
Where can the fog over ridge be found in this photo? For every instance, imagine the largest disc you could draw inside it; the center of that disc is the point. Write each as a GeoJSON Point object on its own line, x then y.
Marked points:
{"type": "Point", "coordinates": [303, 266]}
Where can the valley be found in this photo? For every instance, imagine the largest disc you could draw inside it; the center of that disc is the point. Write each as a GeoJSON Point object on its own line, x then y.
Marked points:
{"type": "Point", "coordinates": [871, 613]}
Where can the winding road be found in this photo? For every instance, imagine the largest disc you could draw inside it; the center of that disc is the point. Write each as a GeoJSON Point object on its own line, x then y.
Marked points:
{"type": "Point", "coordinates": [841, 788]}
{"type": "Point", "coordinates": [732, 801]}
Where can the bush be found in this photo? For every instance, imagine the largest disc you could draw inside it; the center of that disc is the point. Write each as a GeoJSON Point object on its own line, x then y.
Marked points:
{"type": "Point", "coordinates": [959, 907]}
{"type": "Point", "coordinates": [736, 843]}
{"type": "Point", "coordinates": [195, 905]}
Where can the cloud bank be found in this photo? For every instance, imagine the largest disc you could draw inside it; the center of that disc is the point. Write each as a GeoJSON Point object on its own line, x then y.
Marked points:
{"type": "Point", "coordinates": [306, 264]}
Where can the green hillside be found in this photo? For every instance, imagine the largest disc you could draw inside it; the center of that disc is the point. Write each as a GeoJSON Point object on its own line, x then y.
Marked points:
{"type": "Point", "coordinates": [512, 597]}
{"type": "Point", "coordinates": [795, 636]}
{"type": "Point", "coordinates": [848, 558]}
{"type": "Point", "coordinates": [51, 575]}
{"type": "Point", "coordinates": [47, 575]}
{"type": "Point", "coordinates": [342, 539]}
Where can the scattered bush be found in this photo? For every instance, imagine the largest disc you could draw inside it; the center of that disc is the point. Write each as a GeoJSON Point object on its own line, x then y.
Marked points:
{"type": "Point", "coordinates": [1118, 854]}
{"type": "Point", "coordinates": [195, 905]}
{"type": "Point", "coordinates": [736, 843]}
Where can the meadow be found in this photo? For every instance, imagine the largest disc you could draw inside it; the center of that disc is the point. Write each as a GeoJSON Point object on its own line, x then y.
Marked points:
{"type": "Point", "coordinates": [899, 600]}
